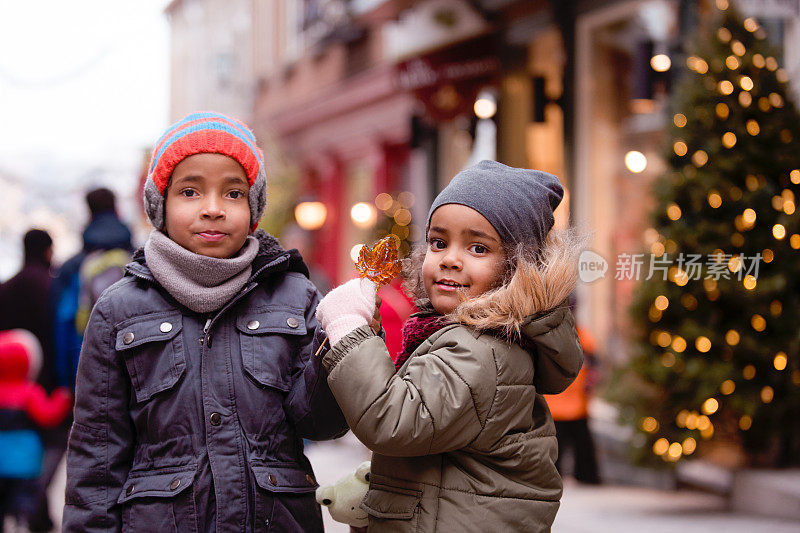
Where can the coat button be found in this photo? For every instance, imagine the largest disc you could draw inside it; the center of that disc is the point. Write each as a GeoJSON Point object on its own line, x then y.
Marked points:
{"type": "Point", "coordinates": [166, 327]}
{"type": "Point", "coordinates": [216, 419]}
{"type": "Point", "coordinates": [310, 479]}
{"type": "Point", "coordinates": [292, 322]}
{"type": "Point", "coordinates": [273, 480]}
{"type": "Point", "coordinates": [175, 484]}
{"type": "Point", "coordinates": [130, 490]}
{"type": "Point", "coordinates": [128, 337]}
{"type": "Point", "coordinates": [253, 324]}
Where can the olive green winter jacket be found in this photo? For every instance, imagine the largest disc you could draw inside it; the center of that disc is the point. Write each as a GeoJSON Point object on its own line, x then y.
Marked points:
{"type": "Point", "coordinates": [462, 438]}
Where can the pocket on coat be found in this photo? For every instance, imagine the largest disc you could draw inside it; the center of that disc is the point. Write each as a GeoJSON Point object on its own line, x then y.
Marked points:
{"type": "Point", "coordinates": [391, 507]}
{"type": "Point", "coordinates": [159, 501]}
{"type": "Point", "coordinates": [269, 340]}
{"type": "Point", "coordinates": [286, 493]}
{"type": "Point", "coordinates": [153, 352]}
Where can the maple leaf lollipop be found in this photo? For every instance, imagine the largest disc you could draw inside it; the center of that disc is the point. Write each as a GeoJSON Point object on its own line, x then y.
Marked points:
{"type": "Point", "coordinates": [379, 263]}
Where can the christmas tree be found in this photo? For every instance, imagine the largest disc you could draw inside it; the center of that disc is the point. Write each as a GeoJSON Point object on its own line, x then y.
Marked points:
{"type": "Point", "coordinates": [717, 320]}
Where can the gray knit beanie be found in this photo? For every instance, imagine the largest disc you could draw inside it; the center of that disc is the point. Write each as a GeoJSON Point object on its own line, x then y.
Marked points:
{"type": "Point", "coordinates": [518, 202]}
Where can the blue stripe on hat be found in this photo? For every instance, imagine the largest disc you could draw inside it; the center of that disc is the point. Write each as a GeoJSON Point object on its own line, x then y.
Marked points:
{"type": "Point", "coordinates": [218, 126]}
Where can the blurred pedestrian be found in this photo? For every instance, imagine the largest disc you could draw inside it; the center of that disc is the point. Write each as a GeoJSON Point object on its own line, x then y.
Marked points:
{"type": "Point", "coordinates": [198, 380]}
{"type": "Point", "coordinates": [105, 233]}
{"type": "Point", "coordinates": [25, 304]}
{"type": "Point", "coordinates": [570, 411]}
{"type": "Point", "coordinates": [24, 300]}
{"type": "Point", "coordinates": [461, 437]}
{"type": "Point", "coordinates": [25, 408]}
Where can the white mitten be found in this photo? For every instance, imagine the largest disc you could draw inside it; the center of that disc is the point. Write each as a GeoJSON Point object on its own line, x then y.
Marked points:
{"type": "Point", "coordinates": [347, 307]}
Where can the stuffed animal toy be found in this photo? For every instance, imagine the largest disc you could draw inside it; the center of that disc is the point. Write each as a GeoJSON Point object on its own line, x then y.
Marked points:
{"type": "Point", "coordinates": [344, 497]}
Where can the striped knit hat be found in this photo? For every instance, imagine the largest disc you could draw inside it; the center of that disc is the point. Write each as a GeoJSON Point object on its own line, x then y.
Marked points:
{"type": "Point", "coordinates": [204, 132]}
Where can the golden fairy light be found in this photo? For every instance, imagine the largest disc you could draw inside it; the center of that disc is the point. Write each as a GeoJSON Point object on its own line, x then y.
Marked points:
{"type": "Point", "coordinates": [750, 24]}
{"type": "Point", "coordinates": [788, 207]}
{"type": "Point", "coordinates": [662, 302]}
{"type": "Point", "coordinates": [749, 216]}
{"type": "Point", "coordinates": [737, 47]}
{"type": "Point", "coordinates": [758, 61]}
{"type": "Point", "coordinates": [678, 343]}
{"type": "Point", "coordinates": [775, 308]}
{"type": "Point", "coordinates": [714, 199]}
{"type": "Point", "coordinates": [776, 100]}
{"type": "Point", "coordinates": [777, 203]}
{"type": "Point", "coordinates": [772, 63]}
{"type": "Point", "coordinates": [691, 420]}
{"type": "Point", "coordinates": [787, 195]}
{"type": "Point", "coordinates": [668, 359]}
{"type": "Point", "coordinates": [722, 110]}
{"type": "Point", "coordinates": [649, 424]}
{"type": "Point", "coordinates": [689, 446]}
{"type": "Point", "coordinates": [782, 75]}
{"type": "Point", "coordinates": [661, 446]}
{"type": "Point", "coordinates": [703, 422]}
{"type": "Point", "coordinates": [727, 387]}
{"type": "Point", "coordinates": [723, 34]}
{"type": "Point", "coordinates": [707, 432]}
{"type": "Point", "coordinates": [725, 87]}
{"type": "Point", "coordinates": [654, 314]}
{"type": "Point", "coordinates": [703, 344]}
{"type": "Point", "coordinates": [749, 372]}
{"type": "Point", "coordinates": [673, 211]}
{"type": "Point", "coordinates": [732, 337]}
{"type": "Point", "coordinates": [710, 284]}
{"type": "Point", "coordinates": [778, 231]}
{"type": "Point", "coordinates": [710, 406]}
{"type": "Point", "coordinates": [679, 120]}
{"type": "Point", "coordinates": [749, 282]}
{"type": "Point", "coordinates": [752, 182]}
{"type": "Point", "coordinates": [753, 127]}
{"type": "Point", "coordinates": [664, 339]}
{"type": "Point", "coordinates": [735, 193]}
{"type": "Point", "coordinates": [729, 139]}
{"type": "Point", "coordinates": [384, 201]}
{"type": "Point", "coordinates": [794, 241]}
{"type": "Point", "coordinates": [767, 255]}
{"type": "Point", "coordinates": [657, 249]}
{"type": "Point", "coordinates": [745, 422]}
{"type": "Point", "coordinates": [767, 394]}
{"type": "Point", "coordinates": [732, 62]}
{"type": "Point", "coordinates": [763, 104]}
{"type": "Point", "coordinates": [689, 302]}
{"type": "Point", "coordinates": [745, 99]}
{"type": "Point", "coordinates": [680, 148]}
{"type": "Point", "coordinates": [758, 322]}
{"type": "Point", "coordinates": [681, 417]}
{"type": "Point", "coordinates": [697, 64]}
{"type": "Point", "coordinates": [780, 361]}
{"type": "Point", "coordinates": [674, 451]}
{"type": "Point", "coordinates": [746, 83]}
{"type": "Point", "coordinates": [699, 158]}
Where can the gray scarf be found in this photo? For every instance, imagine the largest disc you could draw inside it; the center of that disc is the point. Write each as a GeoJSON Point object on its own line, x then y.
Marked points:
{"type": "Point", "coordinates": [201, 283]}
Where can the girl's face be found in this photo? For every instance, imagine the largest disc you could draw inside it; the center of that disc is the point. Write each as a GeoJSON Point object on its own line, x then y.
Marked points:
{"type": "Point", "coordinates": [465, 257]}
{"type": "Point", "coordinates": [207, 206]}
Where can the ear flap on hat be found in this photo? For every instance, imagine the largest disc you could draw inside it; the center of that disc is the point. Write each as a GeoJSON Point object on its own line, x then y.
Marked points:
{"type": "Point", "coordinates": [258, 197]}
{"type": "Point", "coordinates": [153, 203]}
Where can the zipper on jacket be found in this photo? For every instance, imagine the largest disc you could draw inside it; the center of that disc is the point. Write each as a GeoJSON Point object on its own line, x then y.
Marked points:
{"type": "Point", "coordinates": [206, 335]}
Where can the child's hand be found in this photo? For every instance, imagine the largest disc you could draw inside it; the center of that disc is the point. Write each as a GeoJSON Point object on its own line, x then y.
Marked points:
{"type": "Point", "coordinates": [346, 308]}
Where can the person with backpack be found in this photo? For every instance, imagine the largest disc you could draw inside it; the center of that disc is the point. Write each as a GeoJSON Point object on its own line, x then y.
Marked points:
{"type": "Point", "coordinates": [81, 279]}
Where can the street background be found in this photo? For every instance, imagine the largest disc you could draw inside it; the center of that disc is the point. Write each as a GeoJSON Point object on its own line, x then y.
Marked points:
{"type": "Point", "coordinates": [671, 123]}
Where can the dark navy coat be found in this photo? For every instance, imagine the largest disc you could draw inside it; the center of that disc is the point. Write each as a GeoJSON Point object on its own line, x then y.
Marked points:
{"type": "Point", "coordinates": [192, 423]}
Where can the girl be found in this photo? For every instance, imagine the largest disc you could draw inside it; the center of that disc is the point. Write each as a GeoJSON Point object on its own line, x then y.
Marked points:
{"type": "Point", "coordinates": [462, 438]}
{"type": "Point", "coordinates": [196, 382]}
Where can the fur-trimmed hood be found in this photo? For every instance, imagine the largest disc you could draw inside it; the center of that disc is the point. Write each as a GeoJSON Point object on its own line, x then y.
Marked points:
{"type": "Point", "coordinates": [536, 287]}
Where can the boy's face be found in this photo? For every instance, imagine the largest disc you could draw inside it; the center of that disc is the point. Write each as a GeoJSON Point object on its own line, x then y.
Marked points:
{"type": "Point", "coordinates": [465, 257]}
{"type": "Point", "coordinates": [207, 208]}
